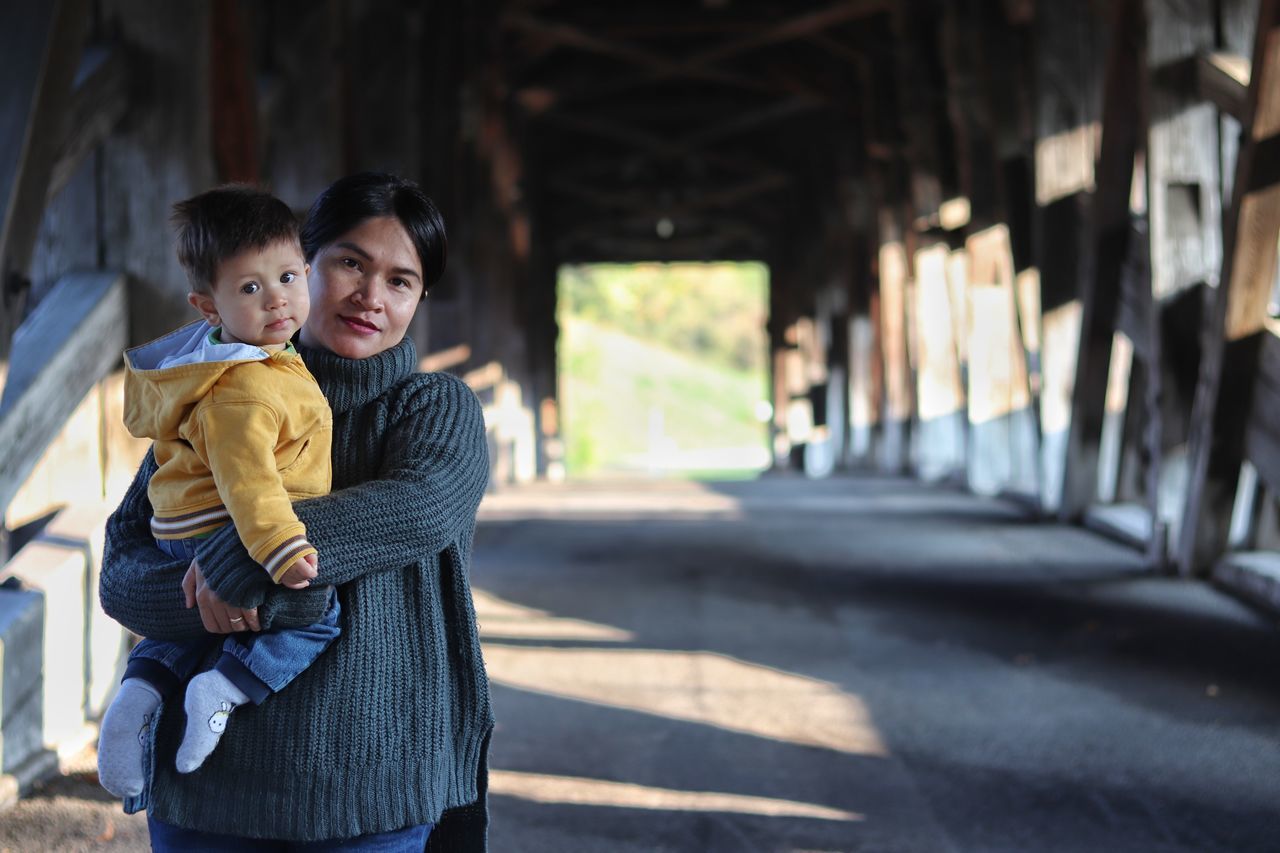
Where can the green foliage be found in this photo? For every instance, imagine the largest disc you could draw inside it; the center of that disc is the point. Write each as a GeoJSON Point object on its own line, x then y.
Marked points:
{"type": "Point", "coordinates": [662, 356]}
{"type": "Point", "coordinates": [712, 312]}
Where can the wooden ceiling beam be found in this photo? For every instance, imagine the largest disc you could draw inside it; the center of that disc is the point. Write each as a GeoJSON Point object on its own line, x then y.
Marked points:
{"type": "Point", "coordinates": [612, 232]}
{"type": "Point", "coordinates": [630, 166]}
{"type": "Point", "coordinates": [658, 68]}
{"type": "Point", "coordinates": [694, 199]}
{"type": "Point", "coordinates": [748, 121]}
{"type": "Point", "coordinates": [656, 65]}
{"type": "Point", "coordinates": [852, 55]}
{"type": "Point", "coordinates": [690, 142]}
{"type": "Point", "coordinates": [798, 27]}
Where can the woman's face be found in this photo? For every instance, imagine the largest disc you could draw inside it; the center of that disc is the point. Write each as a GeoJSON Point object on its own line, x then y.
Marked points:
{"type": "Point", "coordinates": [365, 286]}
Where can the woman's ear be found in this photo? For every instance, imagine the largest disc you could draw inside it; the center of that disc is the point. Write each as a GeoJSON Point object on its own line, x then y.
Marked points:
{"type": "Point", "coordinates": [208, 309]}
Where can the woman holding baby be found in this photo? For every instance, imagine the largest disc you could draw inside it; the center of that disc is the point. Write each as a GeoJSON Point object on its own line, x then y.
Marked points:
{"type": "Point", "coordinates": [382, 742]}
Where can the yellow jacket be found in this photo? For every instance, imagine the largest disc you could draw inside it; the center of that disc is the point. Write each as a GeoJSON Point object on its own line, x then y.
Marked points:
{"type": "Point", "coordinates": [239, 433]}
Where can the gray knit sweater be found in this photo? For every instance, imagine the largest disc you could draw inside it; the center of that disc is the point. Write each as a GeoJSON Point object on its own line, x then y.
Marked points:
{"type": "Point", "coordinates": [389, 727]}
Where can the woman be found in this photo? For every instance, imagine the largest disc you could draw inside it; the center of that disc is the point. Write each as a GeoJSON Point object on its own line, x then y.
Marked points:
{"type": "Point", "coordinates": [387, 733]}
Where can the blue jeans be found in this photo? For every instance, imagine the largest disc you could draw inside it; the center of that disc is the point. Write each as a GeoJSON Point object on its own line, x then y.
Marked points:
{"type": "Point", "coordinates": [166, 838]}
{"type": "Point", "coordinates": [259, 663]}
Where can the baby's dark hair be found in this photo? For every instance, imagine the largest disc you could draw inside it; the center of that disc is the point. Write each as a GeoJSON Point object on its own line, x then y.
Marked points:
{"type": "Point", "coordinates": [224, 221]}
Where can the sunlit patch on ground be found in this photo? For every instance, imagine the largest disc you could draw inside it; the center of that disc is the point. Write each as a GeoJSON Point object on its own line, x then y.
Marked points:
{"type": "Point", "coordinates": [699, 687]}
{"type": "Point", "coordinates": [501, 619]}
{"type": "Point", "coordinates": [571, 790]}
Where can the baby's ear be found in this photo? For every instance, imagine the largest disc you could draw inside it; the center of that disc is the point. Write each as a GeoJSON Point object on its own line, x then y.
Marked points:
{"type": "Point", "coordinates": [204, 303]}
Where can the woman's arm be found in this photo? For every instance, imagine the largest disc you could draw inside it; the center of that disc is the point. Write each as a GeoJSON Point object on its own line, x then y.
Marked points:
{"type": "Point", "coordinates": [434, 472]}
{"type": "Point", "coordinates": [140, 586]}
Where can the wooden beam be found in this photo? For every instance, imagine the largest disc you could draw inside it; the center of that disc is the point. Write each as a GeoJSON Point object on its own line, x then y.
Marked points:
{"type": "Point", "coordinates": [685, 144]}
{"type": "Point", "coordinates": [1236, 321]}
{"type": "Point", "coordinates": [1122, 129]}
{"type": "Point", "coordinates": [940, 396]}
{"type": "Point", "coordinates": [894, 269]}
{"type": "Point", "coordinates": [233, 102]}
{"type": "Point", "coordinates": [71, 341]}
{"type": "Point", "coordinates": [1223, 78]}
{"type": "Point", "coordinates": [798, 27]}
{"type": "Point", "coordinates": [692, 200]}
{"type": "Point", "coordinates": [657, 67]}
{"type": "Point", "coordinates": [41, 43]}
{"type": "Point", "coordinates": [747, 121]}
{"type": "Point", "coordinates": [100, 101]}
{"type": "Point", "coordinates": [701, 65]}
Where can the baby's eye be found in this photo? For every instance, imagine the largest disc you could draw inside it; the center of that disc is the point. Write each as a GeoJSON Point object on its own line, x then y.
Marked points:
{"type": "Point", "coordinates": [249, 288]}
{"type": "Point", "coordinates": [288, 277]}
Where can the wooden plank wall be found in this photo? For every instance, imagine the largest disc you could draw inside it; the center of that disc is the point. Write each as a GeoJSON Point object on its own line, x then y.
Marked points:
{"type": "Point", "coordinates": [1232, 400]}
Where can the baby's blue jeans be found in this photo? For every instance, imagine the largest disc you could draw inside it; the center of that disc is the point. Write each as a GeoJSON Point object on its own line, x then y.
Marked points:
{"type": "Point", "coordinates": [259, 663]}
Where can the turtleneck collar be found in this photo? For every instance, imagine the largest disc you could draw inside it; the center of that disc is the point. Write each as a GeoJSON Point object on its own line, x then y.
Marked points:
{"type": "Point", "coordinates": [349, 383]}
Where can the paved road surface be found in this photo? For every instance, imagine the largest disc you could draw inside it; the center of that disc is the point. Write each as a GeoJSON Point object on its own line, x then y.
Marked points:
{"type": "Point", "coordinates": [860, 665]}
{"type": "Point", "coordinates": [850, 665]}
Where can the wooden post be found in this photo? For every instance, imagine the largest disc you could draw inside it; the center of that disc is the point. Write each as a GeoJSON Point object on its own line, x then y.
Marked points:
{"type": "Point", "coordinates": [894, 273]}
{"type": "Point", "coordinates": [41, 43]}
{"type": "Point", "coordinates": [940, 399]}
{"type": "Point", "coordinates": [71, 342]}
{"type": "Point", "coordinates": [1236, 325]}
{"type": "Point", "coordinates": [1002, 437]}
{"type": "Point", "coordinates": [1110, 229]}
{"type": "Point", "coordinates": [233, 99]}
{"type": "Point", "coordinates": [1067, 120]}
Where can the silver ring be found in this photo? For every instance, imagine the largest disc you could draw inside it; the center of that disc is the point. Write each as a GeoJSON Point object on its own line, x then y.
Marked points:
{"type": "Point", "coordinates": [237, 618]}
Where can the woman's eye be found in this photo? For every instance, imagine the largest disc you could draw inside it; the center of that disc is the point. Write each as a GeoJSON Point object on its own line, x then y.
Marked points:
{"type": "Point", "coordinates": [288, 277]}
{"type": "Point", "coordinates": [249, 288]}
{"type": "Point", "coordinates": [351, 263]}
{"type": "Point", "coordinates": [399, 283]}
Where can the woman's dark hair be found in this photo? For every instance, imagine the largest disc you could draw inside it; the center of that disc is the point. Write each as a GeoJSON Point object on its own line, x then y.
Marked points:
{"type": "Point", "coordinates": [351, 200]}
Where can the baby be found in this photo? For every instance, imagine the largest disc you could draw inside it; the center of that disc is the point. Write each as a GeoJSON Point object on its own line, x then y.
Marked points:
{"type": "Point", "coordinates": [240, 430]}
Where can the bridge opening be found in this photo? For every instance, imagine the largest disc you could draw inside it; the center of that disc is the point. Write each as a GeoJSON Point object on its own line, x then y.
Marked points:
{"type": "Point", "coordinates": [663, 369]}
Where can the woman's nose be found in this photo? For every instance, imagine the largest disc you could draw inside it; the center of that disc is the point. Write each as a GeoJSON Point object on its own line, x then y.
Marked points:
{"type": "Point", "coordinates": [367, 295]}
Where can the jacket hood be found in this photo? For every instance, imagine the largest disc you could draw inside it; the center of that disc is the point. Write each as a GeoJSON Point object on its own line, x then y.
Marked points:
{"type": "Point", "coordinates": [167, 377]}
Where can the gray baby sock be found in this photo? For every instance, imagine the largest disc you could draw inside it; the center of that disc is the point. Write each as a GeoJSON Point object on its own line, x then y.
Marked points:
{"type": "Point", "coordinates": [124, 729]}
{"type": "Point", "coordinates": [211, 697]}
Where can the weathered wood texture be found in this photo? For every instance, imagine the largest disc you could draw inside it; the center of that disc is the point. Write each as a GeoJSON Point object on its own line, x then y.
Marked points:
{"type": "Point", "coordinates": [1262, 433]}
{"type": "Point", "coordinates": [71, 341]}
{"type": "Point", "coordinates": [1184, 206]}
{"type": "Point", "coordinates": [898, 392]}
{"type": "Point", "coordinates": [41, 43]}
{"type": "Point", "coordinates": [100, 100]}
{"type": "Point", "coordinates": [302, 130]}
{"type": "Point", "coordinates": [233, 100]}
{"type": "Point", "coordinates": [1002, 437]}
{"type": "Point", "coordinates": [1234, 330]}
{"type": "Point", "coordinates": [940, 397]}
{"type": "Point", "coordinates": [1121, 132]}
{"type": "Point", "coordinates": [70, 236]}
{"type": "Point", "coordinates": [161, 155]}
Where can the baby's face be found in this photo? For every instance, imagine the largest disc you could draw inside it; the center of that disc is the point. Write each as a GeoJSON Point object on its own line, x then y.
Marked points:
{"type": "Point", "coordinates": [260, 295]}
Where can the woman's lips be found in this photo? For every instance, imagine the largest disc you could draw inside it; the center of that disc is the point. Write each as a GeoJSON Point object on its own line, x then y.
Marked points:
{"type": "Point", "coordinates": [358, 326]}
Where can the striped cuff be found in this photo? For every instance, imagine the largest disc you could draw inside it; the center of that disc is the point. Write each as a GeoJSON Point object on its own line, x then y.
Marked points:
{"type": "Point", "coordinates": [189, 525]}
{"type": "Point", "coordinates": [285, 555]}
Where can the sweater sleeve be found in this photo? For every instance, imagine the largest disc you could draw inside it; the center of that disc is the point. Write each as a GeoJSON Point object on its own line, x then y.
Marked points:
{"type": "Point", "coordinates": [434, 471]}
{"type": "Point", "coordinates": [141, 586]}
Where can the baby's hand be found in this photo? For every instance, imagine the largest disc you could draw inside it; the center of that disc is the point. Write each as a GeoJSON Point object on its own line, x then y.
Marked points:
{"type": "Point", "coordinates": [301, 573]}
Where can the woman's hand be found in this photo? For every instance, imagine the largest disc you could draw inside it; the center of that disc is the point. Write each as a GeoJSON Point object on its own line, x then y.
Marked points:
{"type": "Point", "coordinates": [218, 616]}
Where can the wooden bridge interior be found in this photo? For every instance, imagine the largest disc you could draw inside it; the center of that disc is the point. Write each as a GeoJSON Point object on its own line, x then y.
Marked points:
{"type": "Point", "coordinates": [1028, 246]}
